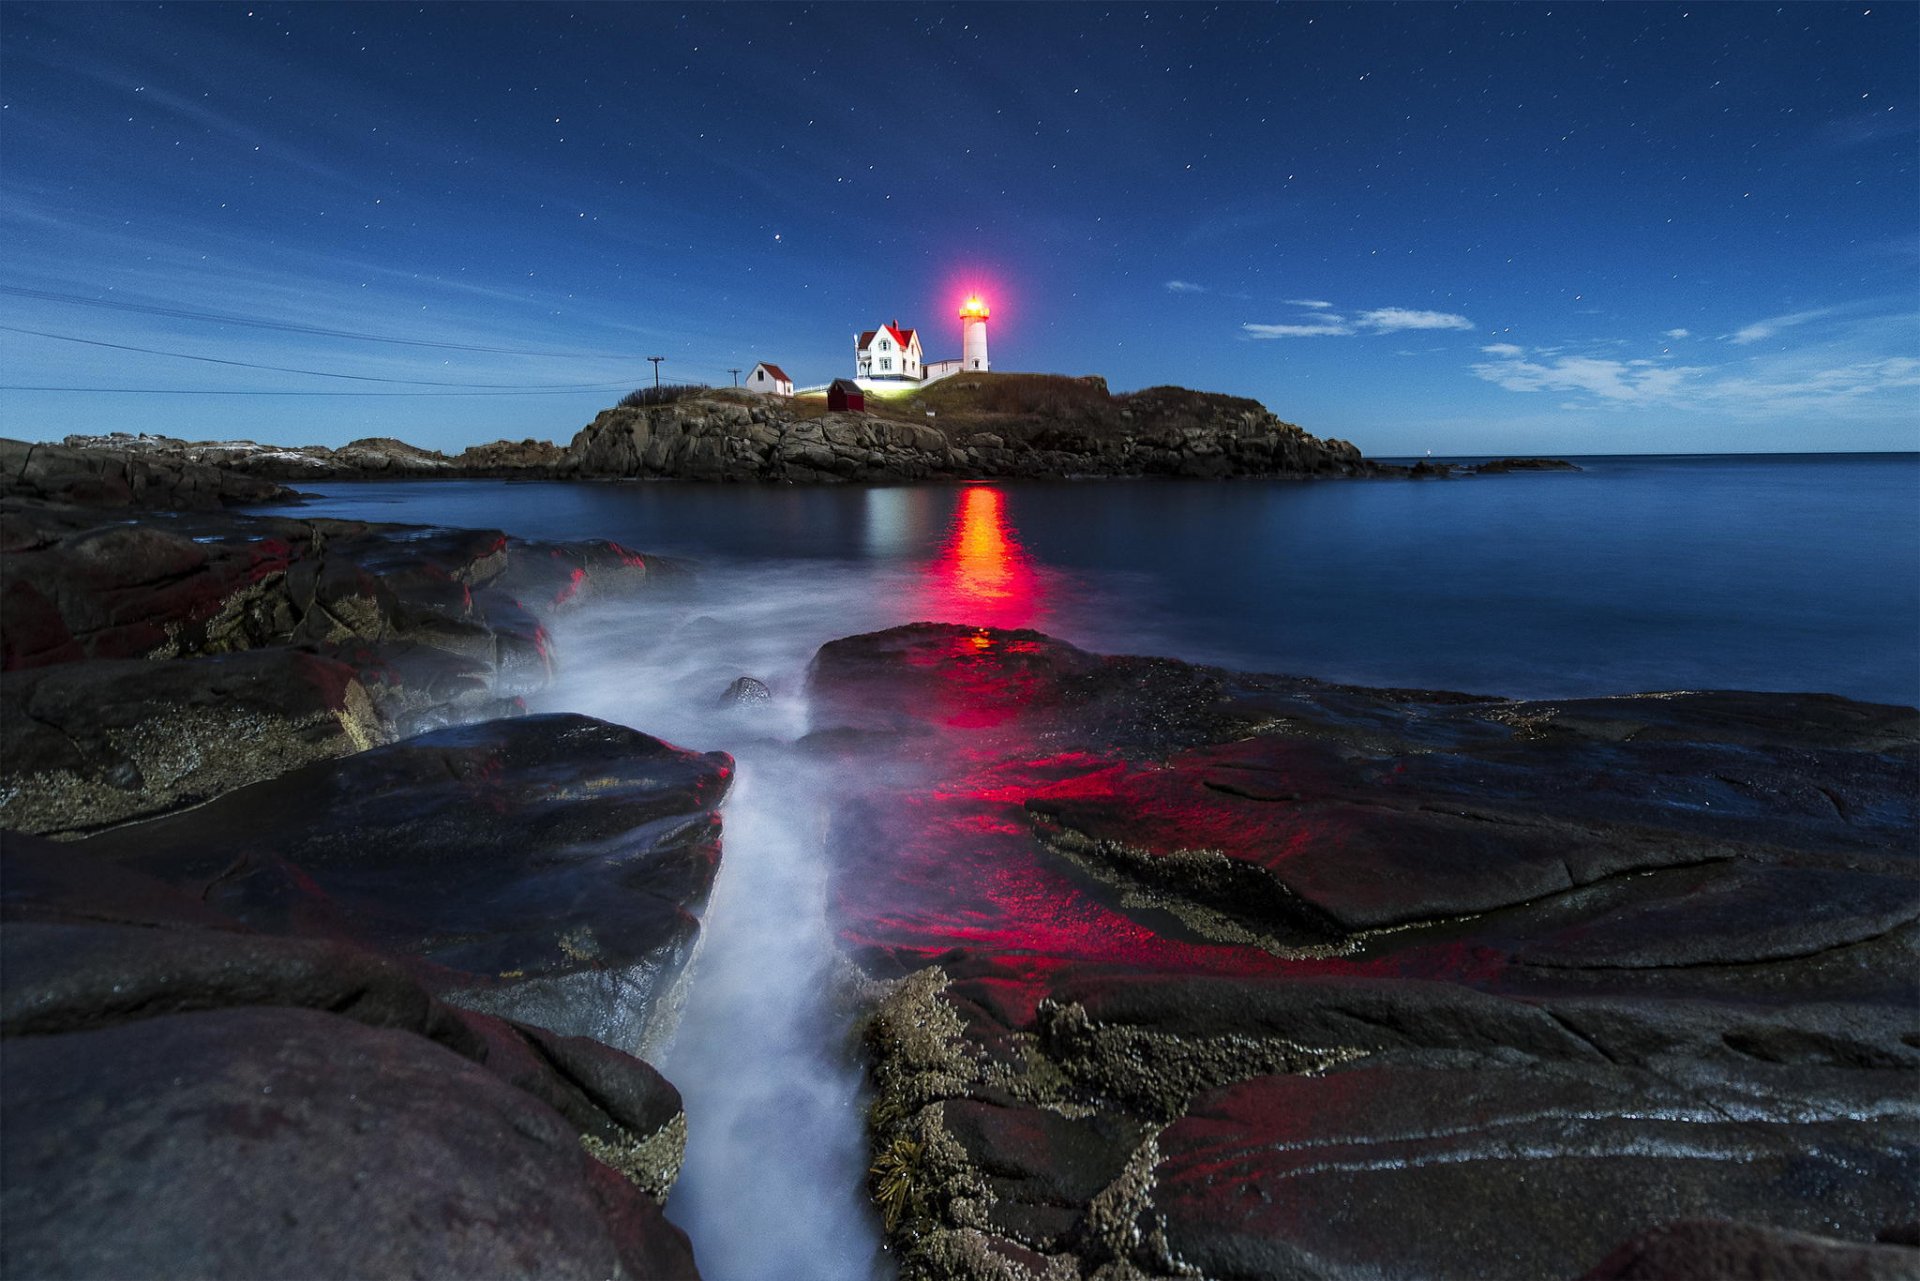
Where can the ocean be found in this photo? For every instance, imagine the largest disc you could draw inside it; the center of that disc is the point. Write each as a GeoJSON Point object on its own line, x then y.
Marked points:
{"type": "Point", "coordinates": [1765, 572]}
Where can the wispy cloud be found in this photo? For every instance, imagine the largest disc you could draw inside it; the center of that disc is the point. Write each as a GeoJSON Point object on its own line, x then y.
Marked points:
{"type": "Point", "coordinates": [1677, 333]}
{"type": "Point", "coordinates": [1855, 374]}
{"type": "Point", "coordinates": [1387, 320]}
{"type": "Point", "coordinates": [1761, 330]}
{"type": "Point", "coordinates": [1321, 321]}
{"type": "Point", "coordinates": [1185, 287]}
{"type": "Point", "coordinates": [1333, 326]}
{"type": "Point", "coordinates": [1618, 381]}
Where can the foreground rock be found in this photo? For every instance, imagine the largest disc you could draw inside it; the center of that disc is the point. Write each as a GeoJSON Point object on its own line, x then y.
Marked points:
{"type": "Point", "coordinates": [549, 868]}
{"type": "Point", "coordinates": [1204, 973]}
{"type": "Point", "coordinates": [284, 642]}
{"type": "Point", "coordinates": [184, 1097]}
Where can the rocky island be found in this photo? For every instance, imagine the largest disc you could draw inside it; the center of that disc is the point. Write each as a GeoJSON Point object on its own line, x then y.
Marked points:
{"type": "Point", "coordinates": [1026, 426]}
{"type": "Point", "coordinates": [321, 956]}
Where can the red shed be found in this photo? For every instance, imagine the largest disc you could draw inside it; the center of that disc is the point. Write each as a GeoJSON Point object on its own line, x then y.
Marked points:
{"type": "Point", "coordinates": [845, 395]}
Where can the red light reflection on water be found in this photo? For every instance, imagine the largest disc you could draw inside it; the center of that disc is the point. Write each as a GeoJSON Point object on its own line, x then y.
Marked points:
{"type": "Point", "coordinates": [982, 575]}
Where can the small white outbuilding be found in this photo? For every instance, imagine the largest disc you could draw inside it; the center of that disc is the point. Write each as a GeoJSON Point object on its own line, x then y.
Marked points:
{"type": "Point", "coordinates": [770, 380]}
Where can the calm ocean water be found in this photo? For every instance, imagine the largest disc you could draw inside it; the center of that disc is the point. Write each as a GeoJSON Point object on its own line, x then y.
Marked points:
{"type": "Point", "coordinates": [1797, 572]}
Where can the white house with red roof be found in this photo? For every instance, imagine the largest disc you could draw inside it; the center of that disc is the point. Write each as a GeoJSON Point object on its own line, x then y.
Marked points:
{"type": "Point", "coordinates": [888, 354]}
{"type": "Point", "coordinates": [770, 380]}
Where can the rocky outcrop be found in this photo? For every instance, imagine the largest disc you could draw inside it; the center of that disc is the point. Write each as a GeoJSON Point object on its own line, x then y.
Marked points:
{"type": "Point", "coordinates": [352, 1006]}
{"type": "Point", "coordinates": [186, 1097]}
{"type": "Point", "coordinates": [549, 869]}
{"type": "Point", "coordinates": [1499, 466]}
{"type": "Point", "coordinates": [151, 665]}
{"type": "Point", "coordinates": [1202, 973]}
{"type": "Point", "coordinates": [110, 475]}
{"type": "Point", "coordinates": [376, 457]}
{"type": "Point", "coordinates": [1164, 434]}
{"type": "Point", "coordinates": [1429, 469]}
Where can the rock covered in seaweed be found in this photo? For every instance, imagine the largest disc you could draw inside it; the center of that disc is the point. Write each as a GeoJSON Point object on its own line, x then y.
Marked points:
{"type": "Point", "coordinates": [1199, 970]}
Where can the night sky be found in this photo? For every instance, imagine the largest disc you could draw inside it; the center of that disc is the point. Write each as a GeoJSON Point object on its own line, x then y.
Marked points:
{"type": "Point", "coordinates": [1480, 229]}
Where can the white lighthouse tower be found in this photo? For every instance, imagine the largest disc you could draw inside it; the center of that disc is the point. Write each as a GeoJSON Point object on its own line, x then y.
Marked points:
{"type": "Point", "coordinates": [973, 335]}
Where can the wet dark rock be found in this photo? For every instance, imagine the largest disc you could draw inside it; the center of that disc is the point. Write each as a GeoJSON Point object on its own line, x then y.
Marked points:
{"type": "Point", "coordinates": [547, 869]}
{"type": "Point", "coordinates": [1717, 1250]}
{"type": "Point", "coordinates": [294, 1142]}
{"type": "Point", "coordinates": [1521, 978]}
{"type": "Point", "coordinates": [745, 692]}
{"type": "Point", "coordinates": [304, 1102]}
{"type": "Point", "coordinates": [1538, 1168]}
{"type": "Point", "coordinates": [284, 641]}
{"type": "Point", "coordinates": [96, 743]}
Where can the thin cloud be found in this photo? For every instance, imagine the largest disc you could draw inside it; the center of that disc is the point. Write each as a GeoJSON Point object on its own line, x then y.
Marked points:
{"type": "Point", "coordinates": [1387, 320]}
{"type": "Point", "coordinates": [1505, 350]}
{"type": "Point", "coordinates": [1677, 333]}
{"type": "Point", "coordinates": [1326, 330]}
{"type": "Point", "coordinates": [1185, 287]}
{"type": "Point", "coordinates": [1841, 380]}
{"type": "Point", "coordinates": [1322, 321]}
{"type": "Point", "coordinates": [1762, 330]}
{"type": "Point", "coordinates": [1618, 381]}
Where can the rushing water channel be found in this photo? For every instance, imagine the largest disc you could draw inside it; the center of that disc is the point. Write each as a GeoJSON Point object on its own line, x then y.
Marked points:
{"type": "Point", "coordinates": [1635, 574]}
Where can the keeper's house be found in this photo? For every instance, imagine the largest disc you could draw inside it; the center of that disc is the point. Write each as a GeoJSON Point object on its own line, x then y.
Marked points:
{"type": "Point", "coordinates": [888, 354]}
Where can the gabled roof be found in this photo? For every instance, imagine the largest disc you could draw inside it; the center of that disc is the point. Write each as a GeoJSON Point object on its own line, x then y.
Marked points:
{"type": "Point", "coordinates": [779, 374]}
{"type": "Point", "coordinates": [901, 336]}
{"type": "Point", "coordinates": [847, 385]}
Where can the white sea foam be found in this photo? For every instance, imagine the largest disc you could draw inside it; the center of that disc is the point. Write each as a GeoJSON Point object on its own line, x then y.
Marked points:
{"type": "Point", "coordinates": [774, 1184]}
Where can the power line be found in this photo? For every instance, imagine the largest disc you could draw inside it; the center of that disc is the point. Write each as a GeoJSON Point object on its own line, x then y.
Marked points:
{"type": "Point", "coordinates": [282, 369]}
{"type": "Point", "coordinates": [182, 313]}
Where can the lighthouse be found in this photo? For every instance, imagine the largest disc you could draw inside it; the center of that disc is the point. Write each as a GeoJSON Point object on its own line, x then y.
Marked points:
{"type": "Point", "coordinates": [973, 334]}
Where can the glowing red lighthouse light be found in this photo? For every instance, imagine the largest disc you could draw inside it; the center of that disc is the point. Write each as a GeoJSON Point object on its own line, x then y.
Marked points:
{"type": "Point", "coordinates": [973, 309]}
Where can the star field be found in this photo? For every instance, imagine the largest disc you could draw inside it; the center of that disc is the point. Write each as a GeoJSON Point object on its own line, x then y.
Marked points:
{"type": "Point", "coordinates": [1540, 228]}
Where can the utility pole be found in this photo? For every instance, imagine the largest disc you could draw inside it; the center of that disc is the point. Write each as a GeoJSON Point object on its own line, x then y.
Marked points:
{"type": "Point", "coordinates": [656, 370]}
{"type": "Point", "coordinates": [736, 376]}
